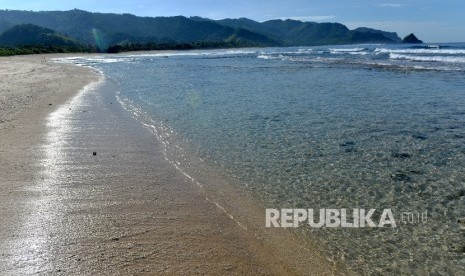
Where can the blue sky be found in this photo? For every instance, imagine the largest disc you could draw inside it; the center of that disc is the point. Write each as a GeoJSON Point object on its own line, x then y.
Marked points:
{"type": "Point", "coordinates": [430, 20]}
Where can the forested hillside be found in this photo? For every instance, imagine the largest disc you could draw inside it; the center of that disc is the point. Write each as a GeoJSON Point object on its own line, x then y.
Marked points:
{"type": "Point", "coordinates": [104, 30]}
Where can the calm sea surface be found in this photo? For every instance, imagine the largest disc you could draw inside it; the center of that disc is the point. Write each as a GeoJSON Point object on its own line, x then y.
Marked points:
{"type": "Point", "coordinates": [364, 126]}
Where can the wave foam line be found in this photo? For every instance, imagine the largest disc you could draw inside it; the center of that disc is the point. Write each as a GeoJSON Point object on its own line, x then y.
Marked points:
{"type": "Point", "coordinates": [427, 58]}
{"type": "Point", "coordinates": [153, 129]}
{"type": "Point", "coordinates": [421, 51]}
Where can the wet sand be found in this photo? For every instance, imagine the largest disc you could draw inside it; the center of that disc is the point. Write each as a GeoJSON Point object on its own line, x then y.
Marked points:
{"type": "Point", "coordinates": [125, 211]}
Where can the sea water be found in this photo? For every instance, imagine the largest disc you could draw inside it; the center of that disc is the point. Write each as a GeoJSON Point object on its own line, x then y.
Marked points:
{"type": "Point", "coordinates": [359, 126]}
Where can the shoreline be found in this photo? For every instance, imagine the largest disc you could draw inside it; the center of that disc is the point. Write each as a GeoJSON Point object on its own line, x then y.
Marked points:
{"type": "Point", "coordinates": [126, 210]}
{"type": "Point", "coordinates": [31, 89]}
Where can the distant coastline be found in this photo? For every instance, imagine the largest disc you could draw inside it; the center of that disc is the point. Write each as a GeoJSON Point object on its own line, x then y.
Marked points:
{"type": "Point", "coordinates": [28, 32]}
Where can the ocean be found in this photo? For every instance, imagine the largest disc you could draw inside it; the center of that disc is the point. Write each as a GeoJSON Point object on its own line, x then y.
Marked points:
{"type": "Point", "coordinates": [369, 126]}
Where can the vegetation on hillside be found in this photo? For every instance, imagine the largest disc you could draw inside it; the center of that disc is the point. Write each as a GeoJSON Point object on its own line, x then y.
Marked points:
{"type": "Point", "coordinates": [103, 30]}
{"type": "Point", "coordinates": [128, 47]}
{"type": "Point", "coordinates": [27, 39]}
{"type": "Point", "coordinates": [38, 49]}
{"type": "Point", "coordinates": [28, 32]}
{"type": "Point", "coordinates": [30, 39]}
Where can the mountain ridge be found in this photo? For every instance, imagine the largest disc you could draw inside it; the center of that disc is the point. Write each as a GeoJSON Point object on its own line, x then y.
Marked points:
{"type": "Point", "coordinates": [106, 29]}
{"type": "Point", "coordinates": [29, 34]}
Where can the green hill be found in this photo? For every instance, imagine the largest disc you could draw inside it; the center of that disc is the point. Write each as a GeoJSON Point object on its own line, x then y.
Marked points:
{"type": "Point", "coordinates": [27, 39]}
{"type": "Point", "coordinates": [105, 29]}
{"type": "Point", "coordinates": [377, 33]}
{"type": "Point", "coordinates": [109, 29]}
{"type": "Point", "coordinates": [297, 33]}
{"type": "Point", "coordinates": [4, 26]}
{"type": "Point", "coordinates": [28, 34]}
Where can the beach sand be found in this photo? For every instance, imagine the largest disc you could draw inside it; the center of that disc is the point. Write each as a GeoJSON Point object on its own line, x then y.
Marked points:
{"type": "Point", "coordinates": [125, 211]}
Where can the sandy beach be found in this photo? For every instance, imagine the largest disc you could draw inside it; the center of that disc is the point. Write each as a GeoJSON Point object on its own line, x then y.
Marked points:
{"type": "Point", "coordinates": [124, 210]}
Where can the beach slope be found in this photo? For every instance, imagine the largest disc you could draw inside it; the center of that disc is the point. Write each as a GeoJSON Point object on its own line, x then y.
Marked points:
{"type": "Point", "coordinates": [85, 190]}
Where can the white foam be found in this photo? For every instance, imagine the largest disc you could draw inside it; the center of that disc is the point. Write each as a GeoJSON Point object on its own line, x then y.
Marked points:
{"type": "Point", "coordinates": [346, 50]}
{"type": "Point", "coordinates": [273, 56]}
{"type": "Point", "coordinates": [265, 57]}
{"type": "Point", "coordinates": [349, 51]}
{"type": "Point", "coordinates": [89, 60]}
{"type": "Point", "coordinates": [130, 57]}
{"type": "Point", "coordinates": [306, 51]}
{"type": "Point", "coordinates": [358, 53]}
{"type": "Point", "coordinates": [447, 59]}
{"type": "Point", "coordinates": [195, 53]}
{"type": "Point", "coordinates": [422, 51]}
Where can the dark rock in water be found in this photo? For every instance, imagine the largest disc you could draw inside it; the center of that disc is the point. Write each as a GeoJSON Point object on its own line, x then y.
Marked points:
{"type": "Point", "coordinates": [457, 195]}
{"type": "Point", "coordinates": [457, 248]}
{"type": "Point", "coordinates": [411, 38]}
{"type": "Point", "coordinates": [348, 146]}
{"type": "Point", "coordinates": [400, 176]}
{"type": "Point", "coordinates": [461, 223]}
{"type": "Point", "coordinates": [351, 149]}
{"type": "Point", "coordinates": [94, 153]}
{"type": "Point", "coordinates": [416, 172]}
{"type": "Point", "coordinates": [420, 136]}
{"type": "Point", "coordinates": [402, 155]}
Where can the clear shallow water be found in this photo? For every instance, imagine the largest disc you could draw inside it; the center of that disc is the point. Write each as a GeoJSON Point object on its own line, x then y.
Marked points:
{"type": "Point", "coordinates": [364, 126]}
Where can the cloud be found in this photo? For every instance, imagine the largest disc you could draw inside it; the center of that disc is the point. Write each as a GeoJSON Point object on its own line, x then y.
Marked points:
{"type": "Point", "coordinates": [391, 5]}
